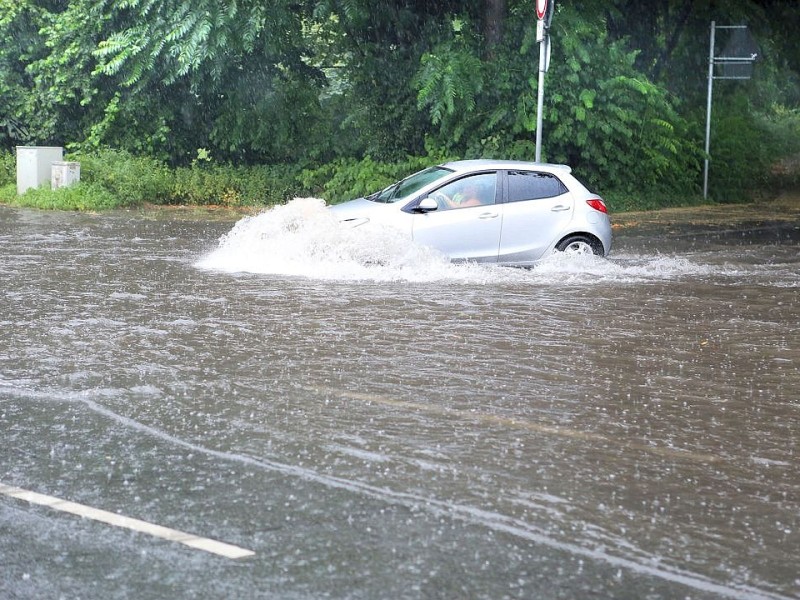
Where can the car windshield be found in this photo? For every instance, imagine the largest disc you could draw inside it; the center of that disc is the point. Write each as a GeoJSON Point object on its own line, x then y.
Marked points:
{"type": "Point", "coordinates": [409, 185]}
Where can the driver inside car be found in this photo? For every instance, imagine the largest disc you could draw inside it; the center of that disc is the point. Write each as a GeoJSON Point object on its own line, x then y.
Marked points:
{"type": "Point", "coordinates": [469, 195]}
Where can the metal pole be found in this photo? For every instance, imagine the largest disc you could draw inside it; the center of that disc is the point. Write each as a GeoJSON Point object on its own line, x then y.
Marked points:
{"type": "Point", "coordinates": [708, 109]}
{"type": "Point", "coordinates": [540, 94]}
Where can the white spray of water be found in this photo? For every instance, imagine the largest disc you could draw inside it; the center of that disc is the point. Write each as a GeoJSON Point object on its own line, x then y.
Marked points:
{"type": "Point", "coordinates": [304, 239]}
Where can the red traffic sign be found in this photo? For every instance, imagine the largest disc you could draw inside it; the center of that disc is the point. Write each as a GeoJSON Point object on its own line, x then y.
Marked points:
{"type": "Point", "coordinates": [541, 8]}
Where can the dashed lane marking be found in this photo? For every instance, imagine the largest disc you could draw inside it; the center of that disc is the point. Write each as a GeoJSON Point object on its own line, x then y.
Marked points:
{"type": "Point", "coordinates": [173, 535]}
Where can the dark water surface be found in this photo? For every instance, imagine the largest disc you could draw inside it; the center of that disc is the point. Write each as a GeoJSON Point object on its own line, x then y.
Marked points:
{"type": "Point", "coordinates": [373, 422]}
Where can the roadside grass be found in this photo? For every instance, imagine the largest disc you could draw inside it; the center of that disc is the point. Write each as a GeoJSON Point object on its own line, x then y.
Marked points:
{"type": "Point", "coordinates": [649, 200]}
{"type": "Point", "coordinates": [81, 196]}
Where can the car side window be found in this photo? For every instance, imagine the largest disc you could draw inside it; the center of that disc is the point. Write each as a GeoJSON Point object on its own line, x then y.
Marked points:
{"type": "Point", "coordinates": [474, 190]}
{"type": "Point", "coordinates": [531, 185]}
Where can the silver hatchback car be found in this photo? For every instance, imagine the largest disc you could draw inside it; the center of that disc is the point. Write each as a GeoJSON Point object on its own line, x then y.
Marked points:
{"type": "Point", "coordinates": [498, 211]}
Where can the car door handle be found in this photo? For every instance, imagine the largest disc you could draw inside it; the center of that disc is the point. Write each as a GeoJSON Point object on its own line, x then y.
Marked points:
{"type": "Point", "coordinates": [488, 215]}
{"type": "Point", "coordinates": [560, 208]}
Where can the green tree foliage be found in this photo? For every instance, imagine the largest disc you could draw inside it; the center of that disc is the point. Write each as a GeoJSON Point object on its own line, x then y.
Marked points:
{"type": "Point", "coordinates": [330, 85]}
{"type": "Point", "coordinates": [162, 78]}
{"type": "Point", "coordinates": [376, 57]}
{"type": "Point", "coordinates": [22, 46]}
{"type": "Point", "coordinates": [612, 104]}
{"type": "Point", "coordinates": [179, 38]}
{"type": "Point", "coordinates": [608, 118]}
{"type": "Point", "coordinates": [235, 73]}
{"type": "Point", "coordinates": [449, 80]}
{"type": "Point", "coordinates": [48, 90]}
{"type": "Point", "coordinates": [602, 116]}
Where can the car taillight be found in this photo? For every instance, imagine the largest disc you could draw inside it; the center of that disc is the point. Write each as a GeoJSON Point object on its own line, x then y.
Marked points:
{"type": "Point", "coordinates": [598, 204]}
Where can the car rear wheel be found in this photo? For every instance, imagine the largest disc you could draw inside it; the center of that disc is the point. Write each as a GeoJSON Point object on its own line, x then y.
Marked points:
{"type": "Point", "coordinates": [580, 245]}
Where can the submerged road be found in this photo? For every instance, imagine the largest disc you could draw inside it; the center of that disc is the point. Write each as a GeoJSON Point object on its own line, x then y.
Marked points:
{"type": "Point", "coordinates": [298, 416]}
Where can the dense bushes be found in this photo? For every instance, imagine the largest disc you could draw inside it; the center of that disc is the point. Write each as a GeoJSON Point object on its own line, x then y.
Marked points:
{"type": "Point", "coordinates": [8, 168]}
{"type": "Point", "coordinates": [349, 178]}
{"type": "Point", "coordinates": [84, 196]}
{"type": "Point", "coordinates": [258, 185]}
{"type": "Point", "coordinates": [115, 179]}
{"type": "Point", "coordinates": [131, 180]}
{"type": "Point", "coordinates": [109, 179]}
{"type": "Point", "coordinates": [746, 152]}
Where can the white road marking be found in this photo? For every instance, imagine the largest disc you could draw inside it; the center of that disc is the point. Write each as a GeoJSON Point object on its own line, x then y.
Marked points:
{"type": "Point", "coordinates": [643, 563]}
{"type": "Point", "coordinates": [173, 535]}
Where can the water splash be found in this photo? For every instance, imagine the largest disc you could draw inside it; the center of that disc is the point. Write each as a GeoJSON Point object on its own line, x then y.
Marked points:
{"type": "Point", "coordinates": [304, 239]}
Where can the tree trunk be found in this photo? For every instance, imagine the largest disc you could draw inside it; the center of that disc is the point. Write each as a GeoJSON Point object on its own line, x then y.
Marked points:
{"type": "Point", "coordinates": [493, 18]}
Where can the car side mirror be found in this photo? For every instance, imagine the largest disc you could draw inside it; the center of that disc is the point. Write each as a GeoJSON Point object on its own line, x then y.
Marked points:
{"type": "Point", "coordinates": [427, 205]}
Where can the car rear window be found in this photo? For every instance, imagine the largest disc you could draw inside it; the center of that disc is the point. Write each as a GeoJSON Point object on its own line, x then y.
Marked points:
{"type": "Point", "coordinates": [531, 185]}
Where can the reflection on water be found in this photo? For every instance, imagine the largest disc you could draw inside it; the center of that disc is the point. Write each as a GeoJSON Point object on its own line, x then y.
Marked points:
{"type": "Point", "coordinates": [635, 417]}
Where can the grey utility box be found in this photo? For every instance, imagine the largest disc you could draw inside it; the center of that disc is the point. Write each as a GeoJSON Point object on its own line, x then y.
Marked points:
{"type": "Point", "coordinates": [64, 174]}
{"type": "Point", "coordinates": [34, 165]}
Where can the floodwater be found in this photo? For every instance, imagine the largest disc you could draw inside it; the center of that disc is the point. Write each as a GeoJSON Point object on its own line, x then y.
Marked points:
{"type": "Point", "coordinates": [373, 422]}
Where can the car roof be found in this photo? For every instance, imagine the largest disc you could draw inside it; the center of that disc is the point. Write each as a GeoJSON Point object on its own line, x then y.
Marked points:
{"type": "Point", "coordinates": [485, 163]}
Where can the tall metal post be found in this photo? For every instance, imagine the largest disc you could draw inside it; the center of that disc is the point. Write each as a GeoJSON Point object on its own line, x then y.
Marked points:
{"type": "Point", "coordinates": [744, 58]}
{"type": "Point", "coordinates": [708, 108]}
{"type": "Point", "coordinates": [540, 93]}
{"type": "Point", "coordinates": [544, 12]}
